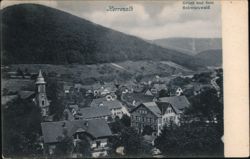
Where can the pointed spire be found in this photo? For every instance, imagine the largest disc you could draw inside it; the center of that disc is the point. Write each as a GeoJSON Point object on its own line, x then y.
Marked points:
{"type": "Point", "coordinates": [40, 79]}
{"type": "Point", "coordinates": [40, 75]}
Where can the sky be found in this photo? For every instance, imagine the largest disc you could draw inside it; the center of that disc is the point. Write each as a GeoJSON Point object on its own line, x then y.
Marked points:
{"type": "Point", "coordinates": [148, 20]}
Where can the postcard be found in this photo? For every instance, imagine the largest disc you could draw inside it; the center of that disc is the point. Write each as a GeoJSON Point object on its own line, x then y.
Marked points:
{"type": "Point", "coordinates": [122, 79]}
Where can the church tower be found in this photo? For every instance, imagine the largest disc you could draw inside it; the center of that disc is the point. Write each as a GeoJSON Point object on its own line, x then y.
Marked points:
{"type": "Point", "coordinates": [41, 97]}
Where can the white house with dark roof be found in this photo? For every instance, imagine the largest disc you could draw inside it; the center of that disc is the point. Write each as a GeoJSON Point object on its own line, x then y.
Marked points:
{"type": "Point", "coordinates": [95, 131]}
{"type": "Point", "coordinates": [174, 106]}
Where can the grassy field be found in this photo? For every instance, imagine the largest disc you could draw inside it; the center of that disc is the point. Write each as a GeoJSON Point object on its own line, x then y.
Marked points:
{"type": "Point", "coordinates": [89, 74]}
{"type": "Point", "coordinates": [14, 85]}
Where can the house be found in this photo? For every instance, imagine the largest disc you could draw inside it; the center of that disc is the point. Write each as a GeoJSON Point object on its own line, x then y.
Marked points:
{"type": "Point", "coordinates": [77, 86]}
{"type": "Point", "coordinates": [174, 106]}
{"type": "Point", "coordinates": [96, 132]}
{"type": "Point", "coordinates": [67, 89]}
{"type": "Point", "coordinates": [175, 90]}
{"type": "Point", "coordinates": [159, 113]}
{"type": "Point", "coordinates": [103, 89]}
{"type": "Point", "coordinates": [155, 89]}
{"type": "Point", "coordinates": [179, 91]}
{"type": "Point", "coordinates": [114, 105]}
{"type": "Point", "coordinates": [137, 88]}
{"type": "Point", "coordinates": [146, 114]}
{"type": "Point", "coordinates": [199, 88]}
{"type": "Point", "coordinates": [107, 88]}
{"type": "Point", "coordinates": [89, 113]}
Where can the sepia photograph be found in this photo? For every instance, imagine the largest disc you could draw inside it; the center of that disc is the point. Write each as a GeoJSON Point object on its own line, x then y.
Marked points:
{"type": "Point", "coordinates": [111, 79]}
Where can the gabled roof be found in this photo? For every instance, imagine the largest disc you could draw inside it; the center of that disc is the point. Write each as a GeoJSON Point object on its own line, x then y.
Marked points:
{"type": "Point", "coordinates": [67, 87]}
{"type": "Point", "coordinates": [152, 106]}
{"type": "Point", "coordinates": [159, 86]}
{"type": "Point", "coordinates": [53, 131]}
{"type": "Point", "coordinates": [94, 112]}
{"type": "Point", "coordinates": [138, 97]}
{"type": "Point", "coordinates": [112, 104]}
{"type": "Point", "coordinates": [178, 102]}
{"type": "Point", "coordinates": [96, 102]}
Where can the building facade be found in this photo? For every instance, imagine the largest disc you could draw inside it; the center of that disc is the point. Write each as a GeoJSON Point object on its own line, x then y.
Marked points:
{"type": "Point", "coordinates": [156, 114]}
{"type": "Point", "coordinates": [96, 132]}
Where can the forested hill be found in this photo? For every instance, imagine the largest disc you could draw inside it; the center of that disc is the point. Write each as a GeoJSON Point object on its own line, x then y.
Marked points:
{"type": "Point", "coordinates": [190, 46]}
{"type": "Point", "coordinates": [37, 34]}
{"type": "Point", "coordinates": [211, 57]}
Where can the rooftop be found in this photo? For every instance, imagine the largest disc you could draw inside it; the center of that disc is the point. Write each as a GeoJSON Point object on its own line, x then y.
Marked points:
{"type": "Point", "coordinates": [178, 102]}
{"type": "Point", "coordinates": [53, 131]}
{"type": "Point", "coordinates": [94, 112]}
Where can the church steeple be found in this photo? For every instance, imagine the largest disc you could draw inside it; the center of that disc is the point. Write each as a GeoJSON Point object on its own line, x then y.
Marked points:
{"type": "Point", "coordinates": [40, 79]}
{"type": "Point", "coordinates": [41, 96]}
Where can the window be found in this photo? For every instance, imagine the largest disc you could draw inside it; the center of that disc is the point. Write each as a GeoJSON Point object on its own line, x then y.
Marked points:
{"type": "Point", "coordinates": [43, 102]}
{"type": "Point", "coordinates": [98, 143]}
{"type": "Point", "coordinates": [138, 118]}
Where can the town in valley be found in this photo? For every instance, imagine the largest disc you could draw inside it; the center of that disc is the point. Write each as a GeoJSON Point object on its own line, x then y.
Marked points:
{"type": "Point", "coordinates": [109, 118]}
{"type": "Point", "coordinates": [81, 81]}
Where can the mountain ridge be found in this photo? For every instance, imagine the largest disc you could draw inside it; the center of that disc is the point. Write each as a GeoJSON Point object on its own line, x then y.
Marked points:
{"type": "Point", "coordinates": [190, 46]}
{"type": "Point", "coordinates": [34, 33]}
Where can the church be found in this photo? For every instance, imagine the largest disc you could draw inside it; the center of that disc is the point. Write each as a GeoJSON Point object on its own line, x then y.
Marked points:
{"type": "Point", "coordinates": [41, 98]}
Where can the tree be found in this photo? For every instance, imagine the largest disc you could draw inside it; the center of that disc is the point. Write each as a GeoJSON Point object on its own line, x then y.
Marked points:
{"type": "Point", "coordinates": [53, 92]}
{"type": "Point", "coordinates": [163, 93]}
{"type": "Point", "coordinates": [83, 147]}
{"type": "Point", "coordinates": [21, 129]}
{"type": "Point", "coordinates": [206, 106]}
{"type": "Point", "coordinates": [19, 72]}
{"type": "Point", "coordinates": [190, 140]}
{"type": "Point", "coordinates": [64, 146]}
{"type": "Point", "coordinates": [138, 78]}
{"type": "Point", "coordinates": [131, 141]}
{"type": "Point", "coordinates": [126, 121]}
{"type": "Point", "coordinates": [147, 130]}
{"type": "Point", "coordinates": [116, 126]}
